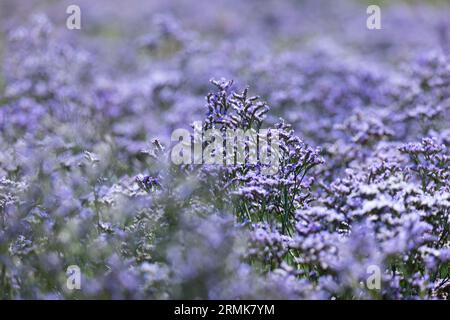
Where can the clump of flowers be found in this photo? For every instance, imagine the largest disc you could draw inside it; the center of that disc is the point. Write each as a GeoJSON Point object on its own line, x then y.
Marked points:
{"type": "Point", "coordinates": [272, 198]}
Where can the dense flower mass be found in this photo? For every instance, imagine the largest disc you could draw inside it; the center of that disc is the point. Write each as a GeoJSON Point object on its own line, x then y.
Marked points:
{"type": "Point", "coordinates": [358, 208]}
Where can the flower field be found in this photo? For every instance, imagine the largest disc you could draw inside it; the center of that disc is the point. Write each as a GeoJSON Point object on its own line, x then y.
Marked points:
{"type": "Point", "coordinates": [357, 208]}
